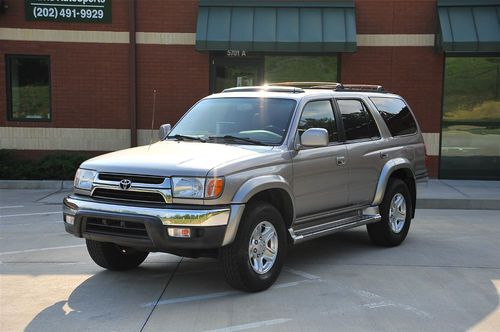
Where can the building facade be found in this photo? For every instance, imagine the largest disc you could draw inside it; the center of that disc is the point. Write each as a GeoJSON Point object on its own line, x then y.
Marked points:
{"type": "Point", "coordinates": [81, 75]}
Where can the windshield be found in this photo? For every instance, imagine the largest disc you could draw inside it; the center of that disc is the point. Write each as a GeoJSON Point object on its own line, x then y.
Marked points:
{"type": "Point", "coordinates": [262, 121]}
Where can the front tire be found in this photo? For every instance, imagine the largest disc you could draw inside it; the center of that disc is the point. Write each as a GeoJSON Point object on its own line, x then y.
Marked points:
{"type": "Point", "coordinates": [113, 257]}
{"type": "Point", "coordinates": [396, 210]}
{"type": "Point", "coordinates": [253, 262]}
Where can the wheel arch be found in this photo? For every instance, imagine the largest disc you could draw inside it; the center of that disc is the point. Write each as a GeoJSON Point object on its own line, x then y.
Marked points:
{"type": "Point", "coordinates": [399, 168]}
{"type": "Point", "coordinates": [270, 188]}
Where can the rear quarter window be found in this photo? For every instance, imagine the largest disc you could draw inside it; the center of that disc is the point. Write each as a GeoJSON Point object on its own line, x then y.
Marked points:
{"type": "Point", "coordinates": [396, 115]}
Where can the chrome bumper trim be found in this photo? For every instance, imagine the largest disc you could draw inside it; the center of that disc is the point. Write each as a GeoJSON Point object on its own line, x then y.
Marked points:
{"type": "Point", "coordinates": [169, 217]}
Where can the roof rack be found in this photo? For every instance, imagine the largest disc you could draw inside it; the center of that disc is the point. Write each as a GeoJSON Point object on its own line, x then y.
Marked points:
{"type": "Point", "coordinates": [361, 88]}
{"type": "Point", "coordinates": [333, 86]}
{"type": "Point", "coordinates": [309, 85]}
{"type": "Point", "coordinates": [265, 88]}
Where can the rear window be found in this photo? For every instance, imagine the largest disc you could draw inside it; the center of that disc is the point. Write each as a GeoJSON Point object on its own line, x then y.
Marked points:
{"type": "Point", "coordinates": [396, 114]}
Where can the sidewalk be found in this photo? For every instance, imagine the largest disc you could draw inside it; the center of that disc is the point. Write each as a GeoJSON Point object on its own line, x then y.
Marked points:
{"type": "Point", "coordinates": [435, 194]}
{"type": "Point", "coordinates": [459, 194]}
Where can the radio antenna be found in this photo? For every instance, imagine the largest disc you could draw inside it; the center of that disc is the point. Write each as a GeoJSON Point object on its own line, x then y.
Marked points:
{"type": "Point", "coordinates": [153, 117]}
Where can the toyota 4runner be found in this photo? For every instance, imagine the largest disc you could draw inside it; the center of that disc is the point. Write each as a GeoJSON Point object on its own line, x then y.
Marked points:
{"type": "Point", "coordinates": [248, 172]}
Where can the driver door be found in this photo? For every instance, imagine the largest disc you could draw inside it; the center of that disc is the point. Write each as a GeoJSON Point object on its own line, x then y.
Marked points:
{"type": "Point", "coordinates": [320, 174]}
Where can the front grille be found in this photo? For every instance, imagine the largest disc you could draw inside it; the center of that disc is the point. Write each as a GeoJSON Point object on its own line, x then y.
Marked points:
{"type": "Point", "coordinates": [128, 195]}
{"type": "Point", "coordinates": [116, 227]}
{"type": "Point", "coordinates": [133, 178]}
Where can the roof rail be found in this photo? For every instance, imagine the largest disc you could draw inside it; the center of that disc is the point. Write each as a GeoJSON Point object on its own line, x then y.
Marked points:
{"type": "Point", "coordinates": [332, 86]}
{"type": "Point", "coordinates": [361, 88]}
{"type": "Point", "coordinates": [265, 88]}
{"type": "Point", "coordinates": [309, 85]}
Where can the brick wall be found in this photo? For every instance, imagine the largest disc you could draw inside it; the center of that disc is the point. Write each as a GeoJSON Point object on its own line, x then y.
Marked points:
{"type": "Point", "coordinates": [180, 76]}
{"type": "Point", "coordinates": [413, 72]}
{"type": "Point", "coordinates": [89, 84]}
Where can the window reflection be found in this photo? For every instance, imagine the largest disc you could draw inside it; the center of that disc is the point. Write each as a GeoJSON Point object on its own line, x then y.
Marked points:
{"type": "Point", "coordinates": [470, 147]}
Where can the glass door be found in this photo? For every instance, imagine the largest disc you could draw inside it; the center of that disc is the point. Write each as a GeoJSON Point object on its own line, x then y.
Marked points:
{"type": "Point", "coordinates": [229, 72]}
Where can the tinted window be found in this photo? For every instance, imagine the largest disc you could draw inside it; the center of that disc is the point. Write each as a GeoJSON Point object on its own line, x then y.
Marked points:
{"type": "Point", "coordinates": [358, 123]}
{"type": "Point", "coordinates": [397, 116]}
{"type": "Point", "coordinates": [319, 114]}
{"type": "Point", "coordinates": [28, 82]}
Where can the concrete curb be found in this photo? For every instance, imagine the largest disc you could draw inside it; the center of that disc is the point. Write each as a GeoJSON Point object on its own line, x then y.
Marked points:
{"type": "Point", "coordinates": [36, 184]}
{"type": "Point", "coordinates": [458, 204]}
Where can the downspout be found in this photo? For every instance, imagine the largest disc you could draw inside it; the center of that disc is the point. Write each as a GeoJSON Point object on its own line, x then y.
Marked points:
{"type": "Point", "coordinates": [132, 64]}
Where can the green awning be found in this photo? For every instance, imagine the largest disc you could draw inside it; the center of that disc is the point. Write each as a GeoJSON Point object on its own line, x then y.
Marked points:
{"type": "Point", "coordinates": [272, 26]}
{"type": "Point", "coordinates": [469, 25]}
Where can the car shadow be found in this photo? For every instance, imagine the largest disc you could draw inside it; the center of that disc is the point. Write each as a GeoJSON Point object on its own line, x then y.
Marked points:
{"type": "Point", "coordinates": [124, 300]}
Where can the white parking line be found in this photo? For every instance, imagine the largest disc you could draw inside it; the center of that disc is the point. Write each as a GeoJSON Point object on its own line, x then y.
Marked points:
{"type": "Point", "coordinates": [252, 325]}
{"type": "Point", "coordinates": [301, 274]}
{"type": "Point", "coordinates": [210, 296]}
{"type": "Point", "coordinates": [39, 249]}
{"type": "Point", "coordinates": [30, 214]}
{"type": "Point", "coordinates": [12, 207]}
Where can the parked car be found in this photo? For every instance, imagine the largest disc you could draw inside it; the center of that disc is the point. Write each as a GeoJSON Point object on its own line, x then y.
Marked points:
{"type": "Point", "coordinates": [248, 172]}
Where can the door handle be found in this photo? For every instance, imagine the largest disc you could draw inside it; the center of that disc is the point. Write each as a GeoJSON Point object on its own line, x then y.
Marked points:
{"type": "Point", "coordinates": [341, 161]}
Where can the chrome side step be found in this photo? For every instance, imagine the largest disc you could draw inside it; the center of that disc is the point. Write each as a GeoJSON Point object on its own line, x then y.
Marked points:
{"type": "Point", "coordinates": [309, 233]}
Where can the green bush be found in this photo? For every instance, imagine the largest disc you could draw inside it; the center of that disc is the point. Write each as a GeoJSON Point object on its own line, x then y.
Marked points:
{"type": "Point", "coordinates": [57, 166]}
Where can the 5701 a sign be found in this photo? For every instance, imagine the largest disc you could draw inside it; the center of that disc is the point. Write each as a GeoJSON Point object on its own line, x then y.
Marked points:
{"type": "Point", "coordinates": [82, 11]}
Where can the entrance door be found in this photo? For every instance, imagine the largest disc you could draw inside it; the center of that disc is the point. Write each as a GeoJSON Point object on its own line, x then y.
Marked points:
{"type": "Point", "coordinates": [229, 72]}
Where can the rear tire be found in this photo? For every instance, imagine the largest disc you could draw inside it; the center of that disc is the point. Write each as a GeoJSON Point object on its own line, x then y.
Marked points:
{"type": "Point", "coordinates": [113, 257]}
{"type": "Point", "coordinates": [396, 211]}
{"type": "Point", "coordinates": [261, 234]}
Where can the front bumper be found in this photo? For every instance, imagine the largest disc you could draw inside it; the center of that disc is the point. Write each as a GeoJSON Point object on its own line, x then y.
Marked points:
{"type": "Point", "coordinates": [146, 227]}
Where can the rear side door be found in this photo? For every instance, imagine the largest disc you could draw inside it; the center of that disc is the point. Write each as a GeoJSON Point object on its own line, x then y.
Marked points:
{"type": "Point", "coordinates": [364, 145]}
{"type": "Point", "coordinates": [320, 175]}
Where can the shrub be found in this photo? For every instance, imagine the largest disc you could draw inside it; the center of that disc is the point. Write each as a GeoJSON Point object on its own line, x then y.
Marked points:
{"type": "Point", "coordinates": [57, 166]}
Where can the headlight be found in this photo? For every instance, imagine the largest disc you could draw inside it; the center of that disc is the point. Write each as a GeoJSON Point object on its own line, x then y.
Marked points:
{"type": "Point", "coordinates": [187, 187]}
{"type": "Point", "coordinates": [84, 179]}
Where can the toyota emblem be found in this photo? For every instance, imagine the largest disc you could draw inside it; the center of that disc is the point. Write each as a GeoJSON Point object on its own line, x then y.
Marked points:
{"type": "Point", "coordinates": [125, 184]}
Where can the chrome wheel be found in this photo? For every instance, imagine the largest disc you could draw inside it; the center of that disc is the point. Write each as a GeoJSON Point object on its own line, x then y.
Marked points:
{"type": "Point", "coordinates": [263, 247]}
{"type": "Point", "coordinates": [397, 213]}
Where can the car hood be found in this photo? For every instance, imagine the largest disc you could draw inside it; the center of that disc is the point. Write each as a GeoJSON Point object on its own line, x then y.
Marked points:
{"type": "Point", "coordinates": [171, 158]}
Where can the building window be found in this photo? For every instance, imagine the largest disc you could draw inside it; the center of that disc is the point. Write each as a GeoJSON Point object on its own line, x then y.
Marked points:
{"type": "Point", "coordinates": [470, 141]}
{"type": "Point", "coordinates": [300, 69]}
{"type": "Point", "coordinates": [257, 69]}
{"type": "Point", "coordinates": [28, 88]}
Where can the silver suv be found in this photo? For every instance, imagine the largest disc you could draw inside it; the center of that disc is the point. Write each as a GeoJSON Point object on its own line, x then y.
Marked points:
{"type": "Point", "coordinates": [250, 171]}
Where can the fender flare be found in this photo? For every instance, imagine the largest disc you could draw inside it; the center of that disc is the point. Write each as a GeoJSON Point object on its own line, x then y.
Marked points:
{"type": "Point", "coordinates": [390, 167]}
{"type": "Point", "coordinates": [248, 190]}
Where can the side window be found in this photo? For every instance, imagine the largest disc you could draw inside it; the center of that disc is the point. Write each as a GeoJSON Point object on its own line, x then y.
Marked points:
{"type": "Point", "coordinates": [319, 114]}
{"type": "Point", "coordinates": [397, 115]}
{"type": "Point", "coordinates": [358, 122]}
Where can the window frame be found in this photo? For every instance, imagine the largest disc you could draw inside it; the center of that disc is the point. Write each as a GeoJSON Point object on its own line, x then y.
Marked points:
{"type": "Point", "coordinates": [417, 127]}
{"type": "Point", "coordinates": [8, 85]}
{"type": "Point", "coordinates": [340, 133]}
{"type": "Point", "coordinates": [368, 110]}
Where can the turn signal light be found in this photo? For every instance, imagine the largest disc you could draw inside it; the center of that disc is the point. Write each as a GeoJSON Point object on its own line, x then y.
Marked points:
{"type": "Point", "coordinates": [179, 232]}
{"type": "Point", "coordinates": [214, 187]}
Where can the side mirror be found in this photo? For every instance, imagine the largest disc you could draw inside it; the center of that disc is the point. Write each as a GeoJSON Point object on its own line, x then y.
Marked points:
{"type": "Point", "coordinates": [164, 131]}
{"type": "Point", "coordinates": [314, 137]}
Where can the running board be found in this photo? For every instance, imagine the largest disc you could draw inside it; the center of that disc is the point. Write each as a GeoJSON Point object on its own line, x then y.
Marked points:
{"type": "Point", "coordinates": [331, 227]}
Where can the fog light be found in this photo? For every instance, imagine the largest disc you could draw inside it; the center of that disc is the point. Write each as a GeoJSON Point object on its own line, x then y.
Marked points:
{"type": "Point", "coordinates": [69, 219]}
{"type": "Point", "coordinates": [179, 232]}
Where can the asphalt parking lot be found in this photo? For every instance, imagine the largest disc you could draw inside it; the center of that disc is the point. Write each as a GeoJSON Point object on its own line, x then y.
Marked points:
{"type": "Point", "coordinates": [445, 277]}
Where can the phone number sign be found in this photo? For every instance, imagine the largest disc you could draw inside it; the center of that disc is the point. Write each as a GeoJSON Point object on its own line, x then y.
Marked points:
{"type": "Point", "coordinates": [81, 11]}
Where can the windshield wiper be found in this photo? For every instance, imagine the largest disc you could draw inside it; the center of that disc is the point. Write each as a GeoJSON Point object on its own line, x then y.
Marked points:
{"type": "Point", "coordinates": [236, 138]}
{"type": "Point", "coordinates": [184, 137]}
